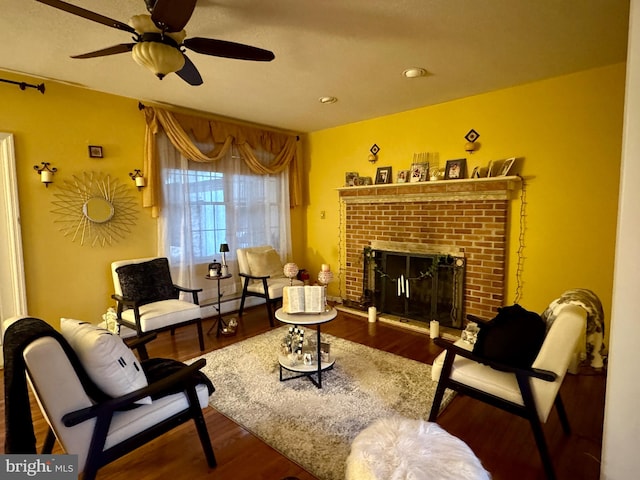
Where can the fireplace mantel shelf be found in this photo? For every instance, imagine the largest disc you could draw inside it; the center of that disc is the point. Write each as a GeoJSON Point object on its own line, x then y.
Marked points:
{"type": "Point", "coordinates": [494, 188]}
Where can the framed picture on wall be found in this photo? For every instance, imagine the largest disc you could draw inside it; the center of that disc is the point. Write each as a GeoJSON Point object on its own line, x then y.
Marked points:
{"type": "Point", "coordinates": [456, 169]}
{"type": "Point", "coordinates": [383, 175]}
{"type": "Point", "coordinates": [95, 151]}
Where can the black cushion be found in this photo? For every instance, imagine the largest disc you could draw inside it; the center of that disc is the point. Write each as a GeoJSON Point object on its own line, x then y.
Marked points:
{"type": "Point", "coordinates": [513, 337]}
{"type": "Point", "coordinates": [147, 282]}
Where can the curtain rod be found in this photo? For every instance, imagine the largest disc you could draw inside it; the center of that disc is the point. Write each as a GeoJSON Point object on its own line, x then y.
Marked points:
{"type": "Point", "coordinates": [24, 85]}
{"type": "Point", "coordinates": [211, 116]}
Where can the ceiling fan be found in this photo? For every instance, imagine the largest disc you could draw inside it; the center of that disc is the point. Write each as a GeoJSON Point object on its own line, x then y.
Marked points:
{"type": "Point", "coordinates": [159, 39]}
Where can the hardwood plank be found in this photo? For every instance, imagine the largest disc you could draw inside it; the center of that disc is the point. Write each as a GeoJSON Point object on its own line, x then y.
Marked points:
{"type": "Point", "coordinates": [503, 442]}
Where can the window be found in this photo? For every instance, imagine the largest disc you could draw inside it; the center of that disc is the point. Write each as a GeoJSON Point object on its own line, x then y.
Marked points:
{"type": "Point", "coordinates": [206, 204]}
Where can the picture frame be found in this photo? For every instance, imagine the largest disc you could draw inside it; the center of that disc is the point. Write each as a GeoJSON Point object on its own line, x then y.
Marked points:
{"type": "Point", "coordinates": [456, 169]}
{"type": "Point", "coordinates": [419, 172]}
{"type": "Point", "coordinates": [349, 179]}
{"type": "Point", "coordinates": [506, 166]}
{"type": "Point", "coordinates": [95, 151]}
{"type": "Point", "coordinates": [403, 176]}
{"type": "Point", "coordinates": [361, 181]}
{"type": "Point", "coordinates": [476, 172]}
{"type": "Point", "coordinates": [383, 175]}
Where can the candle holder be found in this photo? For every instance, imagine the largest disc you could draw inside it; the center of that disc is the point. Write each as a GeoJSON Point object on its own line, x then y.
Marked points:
{"type": "Point", "coordinates": [137, 177]}
{"type": "Point", "coordinates": [325, 277]}
{"type": "Point", "coordinates": [46, 173]}
{"type": "Point", "coordinates": [290, 271]}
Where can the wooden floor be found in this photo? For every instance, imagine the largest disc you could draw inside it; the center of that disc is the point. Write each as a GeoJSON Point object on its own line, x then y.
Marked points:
{"type": "Point", "coordinates": [504, 443]}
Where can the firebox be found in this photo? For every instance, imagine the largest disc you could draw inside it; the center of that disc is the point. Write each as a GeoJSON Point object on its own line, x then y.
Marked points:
{"type": "Point", "coordinates": [417, 286]}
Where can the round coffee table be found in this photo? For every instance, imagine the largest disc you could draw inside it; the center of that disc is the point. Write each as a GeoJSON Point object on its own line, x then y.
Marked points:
{"type": "Point", "coordinates": [302, 370]}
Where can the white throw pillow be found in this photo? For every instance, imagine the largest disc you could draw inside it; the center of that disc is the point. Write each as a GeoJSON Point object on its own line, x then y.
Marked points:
{"type": "Point", "coordinates": [107, 360]}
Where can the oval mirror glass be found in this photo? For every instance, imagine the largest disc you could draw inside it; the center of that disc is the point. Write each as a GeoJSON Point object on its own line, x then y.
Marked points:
{"type": "Point", "coordinates": [98, 210]}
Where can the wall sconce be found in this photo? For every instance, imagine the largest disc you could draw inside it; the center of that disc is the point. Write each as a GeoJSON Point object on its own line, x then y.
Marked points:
{"type": "Point", "coordinates": [46, 173]}
{"type": "Point", "coordinates": [471, 137]}
{"type": "Point", "coordinates": [224, 248]}
{"type": "Point", "coordinates": [137, 177]}
{"type": "Point", "coordinates": [373, 156]}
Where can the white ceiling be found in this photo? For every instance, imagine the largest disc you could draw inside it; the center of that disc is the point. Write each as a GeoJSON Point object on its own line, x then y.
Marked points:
{"type": "Point", "coordinates": [355, 50]}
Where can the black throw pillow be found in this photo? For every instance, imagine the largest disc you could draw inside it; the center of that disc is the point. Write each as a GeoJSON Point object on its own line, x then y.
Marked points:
{"type": "Point", "coordinates": [512, 337]}
{"type": "Point", "coordinates": [147, 282]}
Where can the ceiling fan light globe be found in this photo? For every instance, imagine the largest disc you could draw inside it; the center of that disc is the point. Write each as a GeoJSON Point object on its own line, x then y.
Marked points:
{"type": "Point", "coordinates": [161, 59]}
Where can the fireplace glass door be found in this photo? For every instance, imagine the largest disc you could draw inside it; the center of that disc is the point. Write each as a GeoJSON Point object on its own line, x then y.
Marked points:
{"type": "Point", "coordinates": [421, 287]}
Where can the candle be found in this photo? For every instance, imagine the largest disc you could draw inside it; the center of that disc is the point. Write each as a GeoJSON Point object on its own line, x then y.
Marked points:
{"type": "Point", "coordinates": [325, 267]}
{"type": "Point", "coordinates": [434, 329]}
{"type": "Point", "coordinates": [372, 314]}
{"type": "Point", "coordinates": [140, 182]}
{"type": "Point", "coordinates": [46, 177]}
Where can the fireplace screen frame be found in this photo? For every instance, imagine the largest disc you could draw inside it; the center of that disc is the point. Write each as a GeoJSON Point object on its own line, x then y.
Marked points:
{"type": "Point", "coordinates": [416, 286]}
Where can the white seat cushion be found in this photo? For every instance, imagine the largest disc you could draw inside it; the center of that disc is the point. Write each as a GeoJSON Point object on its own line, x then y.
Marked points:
{"type": "Point", "coordinates": [131, 422]}
{"type": "Point", "coordinates": [157, 315]}
{"type": "Point", "coordinates": [275, 286]}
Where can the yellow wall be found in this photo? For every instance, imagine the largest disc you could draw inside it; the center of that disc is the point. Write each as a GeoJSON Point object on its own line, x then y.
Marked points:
{"type": "Point", "coordinates": [568, 132]}
{"type": "Point", "coordinates": [62, 277]}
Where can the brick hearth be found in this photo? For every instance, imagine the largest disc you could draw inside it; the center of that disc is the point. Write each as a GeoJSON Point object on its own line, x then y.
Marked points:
{"type": "Point", "coordinates": [469, 216]}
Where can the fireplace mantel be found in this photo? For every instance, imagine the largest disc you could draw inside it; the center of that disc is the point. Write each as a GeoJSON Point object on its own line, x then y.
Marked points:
{"type": "Point", "coordinates": [493, 188]}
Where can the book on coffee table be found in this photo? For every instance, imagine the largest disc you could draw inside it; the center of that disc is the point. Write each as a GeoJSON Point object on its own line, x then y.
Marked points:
{"type": "Point", "coordinates": [303, 299]}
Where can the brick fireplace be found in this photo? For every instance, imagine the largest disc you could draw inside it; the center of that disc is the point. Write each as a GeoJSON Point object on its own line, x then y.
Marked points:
{"type": "Point", "coordinates": [466, 217]}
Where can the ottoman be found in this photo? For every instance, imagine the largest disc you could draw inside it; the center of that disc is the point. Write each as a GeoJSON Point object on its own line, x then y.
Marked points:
{"type": "Point", "coordinates": [398, 448]}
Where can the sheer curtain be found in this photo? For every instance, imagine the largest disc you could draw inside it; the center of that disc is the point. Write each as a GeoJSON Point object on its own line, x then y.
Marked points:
{"type": "Point", "coordinates": [206, 204]}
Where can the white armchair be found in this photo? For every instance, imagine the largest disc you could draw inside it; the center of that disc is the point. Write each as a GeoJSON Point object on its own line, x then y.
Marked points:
{"type": "Point", "coordinates": [75, 376]}
{"type": "Point", "coordinates": [148, 300]}
{"type": "Point", "coordinates": [262, 274]}
{"type": "Point", "coordinates": [527, 392]}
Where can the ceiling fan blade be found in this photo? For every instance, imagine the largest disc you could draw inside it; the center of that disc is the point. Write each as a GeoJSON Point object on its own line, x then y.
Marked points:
{"type": "Point", "coordinates": [89, 15]}
{"type": "Point", "coordinates": [121, 48]}
{"type": "Point", "coordinates": [222, 48]}
{"type": "Point", "coordinates": [189, 73]}
{"type": "Point", "coordinates": [172, 15]}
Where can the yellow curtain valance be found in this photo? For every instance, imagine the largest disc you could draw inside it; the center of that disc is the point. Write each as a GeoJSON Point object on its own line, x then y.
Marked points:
{"type": "Point", "coordinates": [181, 128]}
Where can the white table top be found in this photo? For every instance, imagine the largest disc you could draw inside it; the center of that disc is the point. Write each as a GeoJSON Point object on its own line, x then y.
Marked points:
{"type": "Point", "coordinates": [306, 318]}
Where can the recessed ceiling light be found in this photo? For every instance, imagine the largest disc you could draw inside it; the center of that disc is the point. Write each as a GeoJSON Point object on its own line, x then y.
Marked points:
{"type": "Point", "coordinates": [327, 99]}
{"type": "Point", "coordinates": [414, 72]}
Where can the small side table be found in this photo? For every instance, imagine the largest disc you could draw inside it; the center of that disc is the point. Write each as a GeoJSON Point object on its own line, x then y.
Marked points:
{"type": "Point", "coordinates": [223, 327]}
{"type": "Point", "coordinates": [308, 319]}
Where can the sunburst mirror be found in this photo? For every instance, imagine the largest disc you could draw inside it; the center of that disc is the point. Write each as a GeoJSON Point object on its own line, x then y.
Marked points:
{"type": "Point", "coordinates": [94, 209]}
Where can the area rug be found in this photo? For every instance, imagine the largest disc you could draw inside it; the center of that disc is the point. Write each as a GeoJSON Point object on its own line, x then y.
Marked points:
{"type": "Point", "coordinates": [314, 427]}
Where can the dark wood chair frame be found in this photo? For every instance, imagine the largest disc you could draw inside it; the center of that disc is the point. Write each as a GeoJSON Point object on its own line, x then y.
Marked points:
{"type": "Point", "coordinates": [123, 303]}
{"type": "Point", "coordinates": [271, 303]}
{"type": "Point", "coordinates": [103, 413]}
{"type": "Point", "coordinates": [527, 411]}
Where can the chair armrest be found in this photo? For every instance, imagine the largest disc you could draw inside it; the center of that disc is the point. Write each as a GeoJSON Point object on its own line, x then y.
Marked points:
{"type": "Point", "coordinates": [125, 301]}
{"type": "Point", "coordinates": [253, 277]}
{"type": "Point", "coordinates": [476, 319]}
{"type": "Point", "coordinates": [188, 290]}
{"type": "Point", "coordinates": [109, 406]}
{"type": "Point", "coordinates": [545, 375]}
{"type": "Point", "coordinates": [137, 342]}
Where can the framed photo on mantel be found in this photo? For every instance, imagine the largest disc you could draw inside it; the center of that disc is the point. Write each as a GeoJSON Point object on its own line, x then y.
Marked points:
{"type": "Point", "coordinates": [456, 169]}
